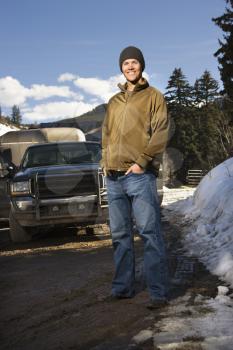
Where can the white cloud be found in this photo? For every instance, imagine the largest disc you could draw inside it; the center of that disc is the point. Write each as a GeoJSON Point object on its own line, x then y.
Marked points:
{"type": "Point", "coordinates": [12, 92]}
{"type": "Point", "coordinates": [66, 77]}
{"type": "Point", "coordinates": [100, 88]}
{"type": "Point", "coordinates": [55, 111]}
{"type": "Point", "coordinates": [40, 92]}
{"type": "Point", "coordinates": [103, 89]}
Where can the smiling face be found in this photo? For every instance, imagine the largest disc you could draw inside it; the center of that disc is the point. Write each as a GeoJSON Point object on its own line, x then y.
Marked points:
{"type": "Point", "coordinates": [131, 68]}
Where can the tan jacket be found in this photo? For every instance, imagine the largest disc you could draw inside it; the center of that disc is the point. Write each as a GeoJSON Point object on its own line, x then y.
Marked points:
{"type": "Point", "coordinates": [135, 128]}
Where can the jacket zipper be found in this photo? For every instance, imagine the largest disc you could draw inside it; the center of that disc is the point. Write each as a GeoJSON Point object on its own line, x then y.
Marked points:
{"type": "Point", "coordinates": [122, 124]}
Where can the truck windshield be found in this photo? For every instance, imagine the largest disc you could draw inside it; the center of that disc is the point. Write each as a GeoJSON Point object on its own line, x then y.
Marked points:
{"type": "Point", "coordinates": [62, 154]}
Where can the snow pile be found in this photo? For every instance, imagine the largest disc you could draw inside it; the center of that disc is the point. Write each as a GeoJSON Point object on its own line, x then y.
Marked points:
{"type": "Point", "coordinates": [201, 324]}
{"type": "Point", "coordinates": [209, 214]}
{"type": "Point", "coordinates": [5, 128]}
{"type": "Point", "coordinates": [171, 195]}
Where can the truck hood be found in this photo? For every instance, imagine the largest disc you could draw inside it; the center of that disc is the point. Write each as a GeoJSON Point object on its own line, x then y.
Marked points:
{"type": "Point", "coordinates": [25, 174]}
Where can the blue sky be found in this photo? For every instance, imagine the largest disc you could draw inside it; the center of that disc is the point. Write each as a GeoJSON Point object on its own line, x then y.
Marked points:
{"type": "Point", "coordinates": [42, 41]}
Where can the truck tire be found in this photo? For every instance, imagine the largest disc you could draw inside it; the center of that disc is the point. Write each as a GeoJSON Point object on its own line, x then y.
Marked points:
{"type": "Point", "coordinates": [17, 232]}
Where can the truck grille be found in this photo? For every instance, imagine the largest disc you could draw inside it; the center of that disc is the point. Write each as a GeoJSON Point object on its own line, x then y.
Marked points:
{"type": "Point", "coordinates": [73, 209]}
{"type": "Point", "coordinates": [65, 185]}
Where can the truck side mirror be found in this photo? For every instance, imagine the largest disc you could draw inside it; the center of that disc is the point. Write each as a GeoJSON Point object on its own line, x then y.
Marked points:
{"type": "Point", "coordinates": [12, 169]}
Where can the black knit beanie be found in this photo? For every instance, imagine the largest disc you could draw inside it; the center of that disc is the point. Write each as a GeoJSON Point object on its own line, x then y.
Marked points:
{"type": "Point", "coordinates": [129, 53]}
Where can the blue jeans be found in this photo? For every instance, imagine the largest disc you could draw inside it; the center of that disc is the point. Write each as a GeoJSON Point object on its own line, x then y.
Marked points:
{"type": "Point", "coordinates": [134, 196]}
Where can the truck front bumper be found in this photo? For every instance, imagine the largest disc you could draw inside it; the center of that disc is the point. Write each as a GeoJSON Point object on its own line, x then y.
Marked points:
{"type": "Point", "coordinates": [78, 209]}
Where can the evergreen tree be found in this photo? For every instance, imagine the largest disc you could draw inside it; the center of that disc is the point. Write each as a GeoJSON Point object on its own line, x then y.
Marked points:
{"type": "Point", "coordinates": [206, 89]}
{"type": "Point", "coordinates": [196, 93]}
{"type": "Point", "coordinates": [225, 126]}
{"type": "Point", "coordinates": [178, 90]}
{"type": "Point", "coordinates": [225, 52]}
{"type": "Point", "coordinates": [16, 117]}
{"type": "Point", "coordinates": [186, 138]}
{"type": "Point", "coordinates": [215, 150]}
{"type": "Point", "coordinates": [201, 132]}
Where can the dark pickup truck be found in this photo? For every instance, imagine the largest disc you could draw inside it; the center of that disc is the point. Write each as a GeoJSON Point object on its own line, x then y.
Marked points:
{"type": "Point", "coordinates": [57, 183]}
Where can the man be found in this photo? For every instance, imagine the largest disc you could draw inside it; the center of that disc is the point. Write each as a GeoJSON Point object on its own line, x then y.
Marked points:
{"type": "Point", "coordinates": [135, 133]}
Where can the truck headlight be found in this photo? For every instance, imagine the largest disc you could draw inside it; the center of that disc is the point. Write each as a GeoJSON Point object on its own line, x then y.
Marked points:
{"type": "Point", "coordinates": [20, 187]}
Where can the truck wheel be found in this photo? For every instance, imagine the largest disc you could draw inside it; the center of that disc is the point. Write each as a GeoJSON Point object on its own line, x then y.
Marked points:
{"type": "Point", "coordinates": [17, 232]}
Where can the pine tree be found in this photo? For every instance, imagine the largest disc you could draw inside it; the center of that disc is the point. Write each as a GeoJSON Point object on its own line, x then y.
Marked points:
{"type": "Point", "coordinates": [206, 89]}
{"type": "Point", "coordinates": [178, 90]}
{"type": "Point", "coordinates": [203, 129]}
{"type": "Point", "coordinates": [225, 52]}
{"type": "Point", "coordinates": [16, 117]}
{"type": "Point", "coordinates": [225, 126]}
{"type": "Point", "coordinates": [196, 93]}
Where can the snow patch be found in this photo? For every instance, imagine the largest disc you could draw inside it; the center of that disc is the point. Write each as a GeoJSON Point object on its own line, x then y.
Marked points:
{"type": "Point", "coordinates": [143, 336]}
{"type": "Point", "coordinates": [209, 218]}
{"type": "Point", "coordinates": [5, 128]}
{"type": "Point", "coordinates": [207, 325]}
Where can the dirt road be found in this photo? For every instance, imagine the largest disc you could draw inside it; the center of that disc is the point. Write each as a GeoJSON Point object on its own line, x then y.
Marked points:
{"type": "Point", "coordinates": [53, 292]}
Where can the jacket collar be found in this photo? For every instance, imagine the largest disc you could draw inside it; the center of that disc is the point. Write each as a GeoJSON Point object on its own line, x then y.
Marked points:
{"type": "Point", "coordinates": [139, 86]}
